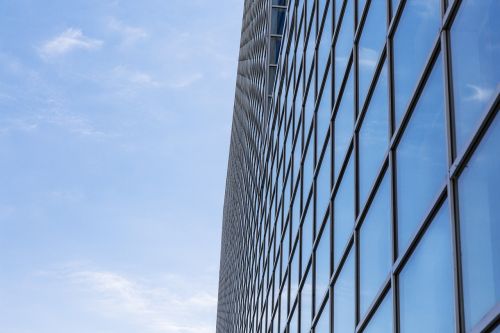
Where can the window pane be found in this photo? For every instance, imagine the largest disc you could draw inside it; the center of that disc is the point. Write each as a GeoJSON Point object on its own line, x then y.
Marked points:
{"type": "Point", "coordinates": [343, 213]}
{"type": "Point", "coordinates": [373, 137]}
{"type": "Point", "coordinates": [323, 186]}
{"type": "Point", "coordinates": [307, 237]}
{"type": "Point", "coordinates": [343, 45]}
{"type": "Point", "coordinates": [308, 170]}
{"type": "Point", "coordinates": [375, 246]}
{"type": "Point", "coordinates": [382, 321]}
{"type": "Point", "coordinates": [325, 43]}
{"type": "Point", "coordinates": [479, 193]}
{"type": "Point", "coordinates": [306, 304]}
{"type": "Point", "coordinates": [323, 264]}
{"type": "Point", "coordinates": [323, 324]}
{"type": "Point", "coordinates": [426, 290]}
{"type": "Point", "coordinates": [343, 298]}
{"type": "Point", "coordinates": [417, 30]}
{"type": "Point", "coordinates": [343, 125]}
{"type": "Point", "coordinates": [324, 111]}
{"type": "Point", "coordinates": [421, 158]}
{"type": "Point", "coordinates": [294, 276]}
{"type": "Point", "coordinates": [370, 45]}
{"type": "Point", "coordinates": [475, 41]}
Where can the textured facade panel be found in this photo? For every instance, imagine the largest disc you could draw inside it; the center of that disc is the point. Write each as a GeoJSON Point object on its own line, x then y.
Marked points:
{"type": "Point", "coordinates": [363, 182]}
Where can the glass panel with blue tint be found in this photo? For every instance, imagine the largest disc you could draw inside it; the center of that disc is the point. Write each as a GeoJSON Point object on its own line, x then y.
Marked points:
{"type": "Point", "coordinates": [421, 158]}
{"type": "Point", "coordinates": [343, 213]}
{"type": "Point", "coordinates": [343, 125]}
{"type": "Point", "coordinates": [475, 45]}
{"type": "Point", "coordinates": [308, 168]}
{"type": "Point", "coordinates": [375, 246]}
{"type": "Point", "coordinates": [294, 275]}
{"type": "Point", "coordinates": [323, 324]}
{"type": "Point", "coordinates": [417, 30]}
{"type": "Point", "coordinates": [293, 325]}
{"type": "Point", "coordinates": [295, 215]}
{"type": "Point", "coordinates": [306, 304]}
{"type": "Point", "coordinates": [325, 42]}
{"type": "Point", "coordinates": [309, 107]}
{"type": "Point", "coordinates": [311, 43]}
{"type": "Point", "coordinates": [479, 195]}
{"type": "Point", "coordinates": [324, 111]}
{"type": "Point", "coordinates": [373, 137]}
{"type": "Point", "coordinates": [307, 237]}
{"type": "Point", "coordinates": [343, 45]}
{"type": "Point", "coordinates": [370, 46]}
{"type": "Point", "coordinates": [343, 298]}
{"type": "Point", "coordinates": [284, 305]}
{"type": "Point", "coordinates": [323, 186]}
{"type": "Point", "coordinates": [323, 259]}
{"type": "Point", "coordinates": [426, 282]}
{"type": "Point", "coordinates": [382, 321]}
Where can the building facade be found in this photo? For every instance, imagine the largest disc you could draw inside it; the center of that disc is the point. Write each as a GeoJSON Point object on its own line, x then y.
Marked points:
{"type": "Point", "coordinates": [363, 185]}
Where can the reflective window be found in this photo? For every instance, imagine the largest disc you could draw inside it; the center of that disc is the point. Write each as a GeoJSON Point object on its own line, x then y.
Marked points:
{"type": "Point", "coordinates": [323, 324]}
{"type": "Point", "coordinates": [343, 298]}
{"type": "Point", "coordinates": [306, 304]}
{"type": "Point", "coordinates": [323, 186]}
{"type": "Point", "coordinates": [421, 158]}
{"type": "Point", "coordinates": [307, 237]}
{"type": "Point", "coordinates": [284, 305]}
{"type": "Point", "coordinates": [308, 168]}
{"type": "Point", "coordinates": [425, 283]}
{"type": "Point", "coordinates": [324, 111]}
{"type": "Point", "coordinates": [375, 246]}
{"type": "Point", "coordinates": [309, 108]}
{"type": "Point", "coordinates": [343, 45]}
{"type": "Point", "coordinates": [370, 45]}
{"type": "Point", "coordinates": [479, 195]}
{"type": "Point", "coordinates": [343, 125]}
{"type": "Point", "coordinates": [293, 325]}
{"type": "Point", "coordinates": [373, 137]}
{"type": "Point", "coordinates": [325, 43]}
{"type": "Point", "coordinates": [475, 43]}
{"type": "Point", "coordinates": [417, 30]}
{"type": "Point", "coordinates": [294, 275]}
{"type": "Point", "coordinates": [323, 264]}
{"type": "Point", "coordinates": [295, 215]}
{"type": "Point", "coordinates": [382, 322]}
{"type": "Point", "coordinates": [343, 213]}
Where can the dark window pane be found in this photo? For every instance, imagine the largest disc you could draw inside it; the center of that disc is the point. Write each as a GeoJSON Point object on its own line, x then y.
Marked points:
{"type": "Point", "coordinates": [421, 158]}
{"type": "Point", "coordinates": [343, 125]}
{"type": "Point", "coordinates": [343, 213]}
{"type": "Point", "coordinates": [479, 193]}
{"type": "Point", "coordinates": [373, 137]}
{"type": "Point", "coordinates": [343, 298]}
{"type": "Point", "coordinates": [417, 30]}
{"type": "Point", "coordinates": [475, 43]}
{"type": "Point", "coordinates": [343, 45]}
{"type": "Point", "coordinates": [370, 45]}
{"type": "Point", "coordinates": [381, 322]}
{"type": "Point", "coordinates": [425, 284]}
{"type": "Point", "coordinates": [323, 264]}
{"type": "Point", "coordinates": [278, 21]}
{"type": "Point", "coordinates": [375, 246]}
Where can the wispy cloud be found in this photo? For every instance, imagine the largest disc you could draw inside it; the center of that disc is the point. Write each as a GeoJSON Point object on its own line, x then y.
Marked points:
{"type": "Point", "coordinates": [479, 94]}
{"type": "Point", "coordinates": [69, 40]}
{"type": "Point", "coordinates": [185, 81]}
{"type": "Point", "coordinates": [179, 305]}
{"type": "Point", "coordinates": [130, 34]}
{"type": "Point", "coordinates": [123, 73]}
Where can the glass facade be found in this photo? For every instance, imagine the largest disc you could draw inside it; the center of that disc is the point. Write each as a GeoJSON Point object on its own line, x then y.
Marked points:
{"type": "Point", "coordinates": [363, 184]}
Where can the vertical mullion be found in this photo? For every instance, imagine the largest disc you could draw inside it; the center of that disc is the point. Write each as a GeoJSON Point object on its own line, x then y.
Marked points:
{"type": "Point", "coordinates": [452, 189]}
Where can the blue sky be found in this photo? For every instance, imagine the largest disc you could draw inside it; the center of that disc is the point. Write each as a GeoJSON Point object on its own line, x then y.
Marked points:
{"type": "Point", "coordinates": [114, 133]}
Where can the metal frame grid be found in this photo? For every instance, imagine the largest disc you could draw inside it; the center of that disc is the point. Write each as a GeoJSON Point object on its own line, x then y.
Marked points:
{"type": "Point", "coordinates": [270, 196]}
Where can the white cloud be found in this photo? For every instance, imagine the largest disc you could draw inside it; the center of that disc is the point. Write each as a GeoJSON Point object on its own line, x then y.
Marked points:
{"type": "Point", "coordinates": [368, 57]}
{"type": "Point", "coordinates": [122, 73]}
{"type": "Point", "coordinates": [175, 304]}
{"type": "Point", "coordinates": [479, 94]}
{"type": "Point", "coordinates": [185, 81]}
{"type": "Point", "coordinates": [129, 34]}
{"type": "Point", "coordinates": [69, 40]}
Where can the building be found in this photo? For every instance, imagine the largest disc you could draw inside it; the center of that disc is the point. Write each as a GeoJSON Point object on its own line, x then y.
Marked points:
{"type": "Point", "coordinates": [363, 185]}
